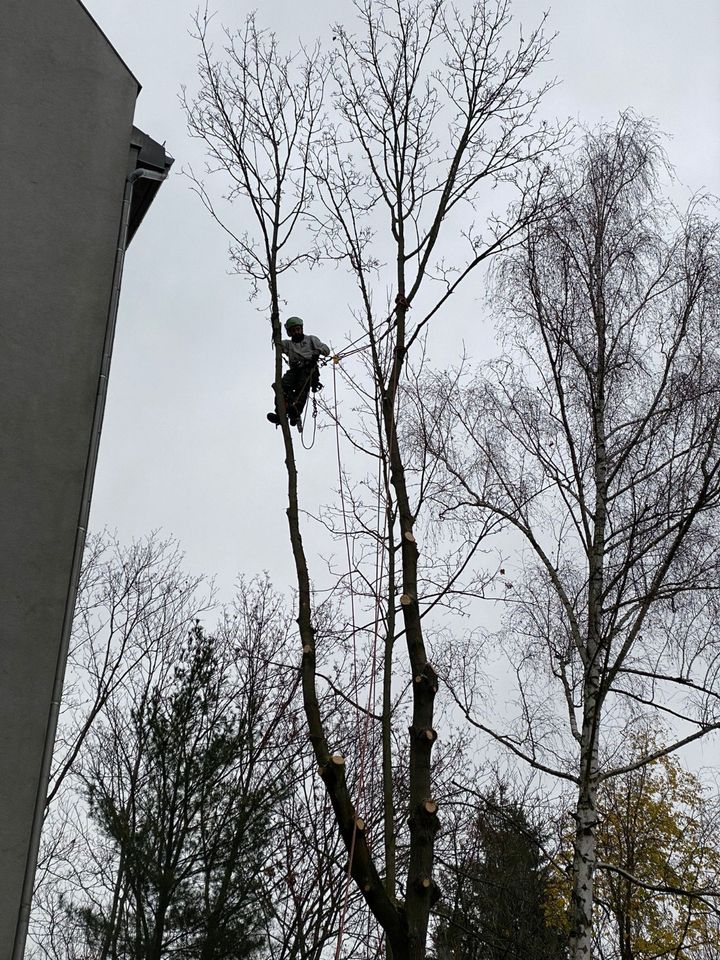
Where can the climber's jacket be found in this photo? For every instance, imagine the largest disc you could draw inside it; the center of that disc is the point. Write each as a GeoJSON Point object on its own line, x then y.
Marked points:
{"type": "Point", "coordinates": [301, 352]}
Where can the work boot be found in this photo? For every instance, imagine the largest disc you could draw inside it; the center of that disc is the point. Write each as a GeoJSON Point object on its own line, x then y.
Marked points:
{"type": "Point", "coordinates": [273, 418]}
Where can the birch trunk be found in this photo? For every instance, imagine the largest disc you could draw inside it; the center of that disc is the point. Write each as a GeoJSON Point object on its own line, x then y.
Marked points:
{"type": "Point", "coordinates": [585, 856]}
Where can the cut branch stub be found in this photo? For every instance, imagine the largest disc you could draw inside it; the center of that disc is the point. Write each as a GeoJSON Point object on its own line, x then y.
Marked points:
{"type": "Point", "coordinates": [335, 765]}
{"type": "Point", "coordinates": [365, 883]}
{"type": "Point", "coordinates": [428, 677]}
{"type": "Point", "coordinates": [428, 886]}
{"type": "Point", "coordinates": [307, 648]}
{"type": "Point", "coordinates": [359, 824]}
{"type": "Point", "coordinates": [424, 733]}
{"type": "Point", "coordinates": [424, 818]}
{"type": "Point", "coordinates": [406, 599]}
{"type": "Point", "coordinates": [409, 536]}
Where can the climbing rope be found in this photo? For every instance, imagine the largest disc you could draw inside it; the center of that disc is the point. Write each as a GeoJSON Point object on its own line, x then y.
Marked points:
{"type": "Point", "coordinates": [362, 734]}
{"type": "Point", "coordinates": [310, 445]}
{"type": "Point", "coordinates": [379, 575]}
{"type": "Point", "coordinates": [347, 352]}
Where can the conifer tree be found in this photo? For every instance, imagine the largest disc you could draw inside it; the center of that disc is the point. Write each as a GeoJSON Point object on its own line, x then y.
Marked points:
{"type": "Point", "coordinates": [496, 891]}
{"type": "Point", "coordinates": [169, 787]}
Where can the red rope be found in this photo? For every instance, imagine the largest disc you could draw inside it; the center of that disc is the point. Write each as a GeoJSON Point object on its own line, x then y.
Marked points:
{"type": "Point", "coordinates": [379, 574]}
{"type": "Point", "coordinates": [373, 672]}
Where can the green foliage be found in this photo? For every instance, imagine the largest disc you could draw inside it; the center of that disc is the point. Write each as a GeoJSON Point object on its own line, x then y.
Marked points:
{"type": "Point", "coordinates": [497, 891]}
{"type": "Point", "coordinates": [189, 822]}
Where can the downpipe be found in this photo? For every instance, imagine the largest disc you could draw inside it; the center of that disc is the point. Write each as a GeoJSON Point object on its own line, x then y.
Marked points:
{"type": "Point", "coordinates": [79, 546]}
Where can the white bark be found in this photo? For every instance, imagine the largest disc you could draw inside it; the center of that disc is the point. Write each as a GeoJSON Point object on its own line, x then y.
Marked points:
{"type": "Point", "coordinates": [585, 856]}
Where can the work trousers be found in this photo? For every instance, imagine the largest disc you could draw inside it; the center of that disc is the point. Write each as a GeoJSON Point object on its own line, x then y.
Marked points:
{"type": "Point", "coordinates": [297, 382]}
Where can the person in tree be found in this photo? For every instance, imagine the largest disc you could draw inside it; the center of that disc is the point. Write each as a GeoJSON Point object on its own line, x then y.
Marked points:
{"type": "Point", "coordinates": [302, 352]}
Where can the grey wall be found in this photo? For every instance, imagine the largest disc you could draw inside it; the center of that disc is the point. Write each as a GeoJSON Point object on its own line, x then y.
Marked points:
{"type": "Point", "coordinates": [66, 102]}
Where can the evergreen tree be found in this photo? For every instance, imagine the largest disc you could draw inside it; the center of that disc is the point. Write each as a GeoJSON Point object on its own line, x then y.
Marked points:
{"type": "Point", "coordinates": [175, 792]}
{"type": "Point", "coordinates": [497, 892]}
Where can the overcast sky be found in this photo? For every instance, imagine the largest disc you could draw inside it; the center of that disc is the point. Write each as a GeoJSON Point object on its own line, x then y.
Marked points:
{"type": "Point", "coordinates": [185, 446]}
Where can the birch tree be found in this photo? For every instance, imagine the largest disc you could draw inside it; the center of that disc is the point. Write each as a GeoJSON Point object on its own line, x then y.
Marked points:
{"type": "Point", "coordinates": [595, 441]}
{"type": "Point", "coordinates": [659, 863]}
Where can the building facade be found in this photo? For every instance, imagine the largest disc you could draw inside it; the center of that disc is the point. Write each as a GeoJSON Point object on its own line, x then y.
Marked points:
{"type": "Point", "coordinates": [76, 178]}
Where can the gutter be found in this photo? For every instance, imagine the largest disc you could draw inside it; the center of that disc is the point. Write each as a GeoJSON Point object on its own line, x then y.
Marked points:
{"type": "Point", "coordinates": [80, 535]}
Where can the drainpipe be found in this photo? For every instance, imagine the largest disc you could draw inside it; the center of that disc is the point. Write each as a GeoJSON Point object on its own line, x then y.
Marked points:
{"type": "Point", "coordinates": [80, 534]}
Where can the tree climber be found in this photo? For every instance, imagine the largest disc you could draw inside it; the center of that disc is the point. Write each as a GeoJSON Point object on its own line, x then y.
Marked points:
{"type": "Point", "coordinates": [302, 353]}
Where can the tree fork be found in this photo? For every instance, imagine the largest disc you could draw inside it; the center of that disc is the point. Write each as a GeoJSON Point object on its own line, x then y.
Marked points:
{"type": "Point", "coordinates": [362, 867]}
{"type": "Point", "coordinates": [361, 864]}
{"type": "Point", "coordinates": [422, 835]}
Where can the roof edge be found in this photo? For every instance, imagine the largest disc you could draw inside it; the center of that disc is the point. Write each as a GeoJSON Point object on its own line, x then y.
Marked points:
{"type": "Point", "coordinates": [109, 43]}
{"type": "Point", "coordinates": [153, 157]}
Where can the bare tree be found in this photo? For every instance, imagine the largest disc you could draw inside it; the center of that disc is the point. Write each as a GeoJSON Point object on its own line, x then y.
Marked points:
{"type": "Point", "coordinates": [129, 599]}
{"type": "Point", "coordinates": [132, 602]}
{"type": "Point", "coordinates": [199, 838]}
{"type": "Point", "coordinates": [135, 606]}
{"type": "Point", "coordinates": [436, 107]}
{"type": "Point", "coordinates": [596, 442]}
{"type": "Point", "coordinates": [431, 107]}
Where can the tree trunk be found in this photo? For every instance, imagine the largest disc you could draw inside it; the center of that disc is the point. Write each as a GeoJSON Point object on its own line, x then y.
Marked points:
{"type": "Point", "coordinates": [421, 891]}
{"type": "Point", "coordinates": [331, 767]}
{"type": "Point", "coordinates": [585, 857]}
{"type": "Point", "coordinates": [388, 793]}
{"type": "Point", "coordinates": [585, 838]}
{"type": "Point", "coordinates": [111, 934]}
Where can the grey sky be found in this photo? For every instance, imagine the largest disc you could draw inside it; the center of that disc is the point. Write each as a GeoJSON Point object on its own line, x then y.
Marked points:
{"type": "Point", "coordinates": [185, 446]}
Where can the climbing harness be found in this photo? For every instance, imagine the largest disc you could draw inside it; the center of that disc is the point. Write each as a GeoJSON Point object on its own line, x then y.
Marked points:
{"type": "Point", "coordinates": [311, 382]}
